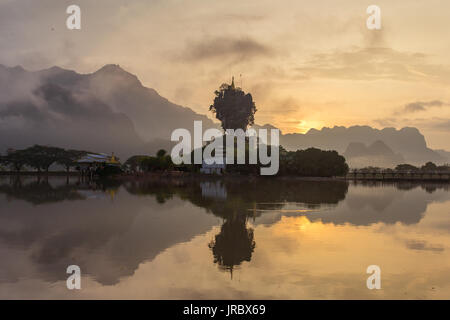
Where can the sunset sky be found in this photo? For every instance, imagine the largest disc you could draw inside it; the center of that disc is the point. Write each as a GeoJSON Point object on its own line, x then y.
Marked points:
{"type": "Point", "coordinates": [308, 64]}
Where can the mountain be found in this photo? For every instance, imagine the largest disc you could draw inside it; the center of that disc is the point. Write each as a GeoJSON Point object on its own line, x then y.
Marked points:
{"type": "Point", "coordinates": [111, 111]}
{"type": "Point", "coordinates": [407, 142]}
{"type": "Point", "coordinates": [378, 154]}
{"type": "Point", "coordinates": [105, 111]}
{"type": "Point", "coordinates": [153, 115]}
{"type": "Point", "coordinates": [444, 154]}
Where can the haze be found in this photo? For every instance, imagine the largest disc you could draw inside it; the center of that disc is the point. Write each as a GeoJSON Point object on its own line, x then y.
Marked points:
{"type": "Point", "coordinates": [307, 64]}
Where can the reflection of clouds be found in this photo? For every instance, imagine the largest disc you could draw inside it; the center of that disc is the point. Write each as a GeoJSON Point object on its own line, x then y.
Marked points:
{"type": "Point", "coordinates": [108, 240]}
{"type": "Point", "coordinates": [136, 247]}
{"type": "Point", "coordinates": [369, 205]}
{"type": "Point", "coordinates": [319, 261]}
{"type": "Point", "coordinates": [366, 205]}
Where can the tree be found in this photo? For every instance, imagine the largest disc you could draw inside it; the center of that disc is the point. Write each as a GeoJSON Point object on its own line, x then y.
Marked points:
{"type": "Point", "coordinates": [406, 167]}
{"type": "Point", "coordinates": [67, 158]}
{"type": "Point", "coordinates": [234, 108]}
{"type": "Point", "coordinates": [234, 244]}
{"type": "Point", "coordinates": [42, 157]}
{"type": "Point", "coordinates": [161, 153]}
{"type": "Point", "coordinates": [134, 162]}
{"type": "Point", "coordinates": [161, 162]}
{"type": "Point", "coordinates": [150, 164]}
{"type": "Point", "coordinates": [16, 159]}
{"type": "Point", "coordinates": [428, 167]}
{"type": "Point", "coordinates": [3, 162]}
{"type": "Point", "coordinates": [312, 162]}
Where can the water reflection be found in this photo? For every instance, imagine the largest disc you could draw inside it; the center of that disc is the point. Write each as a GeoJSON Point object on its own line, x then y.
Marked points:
{"type": "Point", "coordinates": [234, 244]}
{"type": "Point", "coordinates": [111, 228]}
{"type": "Point", "coordinates": [109, 236]}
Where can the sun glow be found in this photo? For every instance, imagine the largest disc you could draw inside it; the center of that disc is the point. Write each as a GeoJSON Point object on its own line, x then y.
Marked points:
{"type": "Point", "coordinates": [304, 126]}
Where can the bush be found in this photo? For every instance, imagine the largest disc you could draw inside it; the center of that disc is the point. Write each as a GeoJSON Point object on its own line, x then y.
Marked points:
{"type": "Point", "coordinates": [108, 171]}
{"type": "Point", "coordinates": [161, 162]}
{"type": "Point", "coordinates": [312, 162]}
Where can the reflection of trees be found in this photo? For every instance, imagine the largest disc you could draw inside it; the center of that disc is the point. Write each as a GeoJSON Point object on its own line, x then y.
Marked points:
{"type": "Point", "coordinates": [160, 189]}
{"type": "Point", "coordinates": [242, 195]}
{"type": "Point", "coordinates": [123, 235]}
{"type": "Point", "coordinates": [108, 240]}
{"type": "Point", "coordinates": [428, 186]}
{"type": "Point", "coordinates": [39, 191]}
{"type": "Point", "coordinates": [240, 201]}
{"type": "Point", "coordinates": [234, 244]}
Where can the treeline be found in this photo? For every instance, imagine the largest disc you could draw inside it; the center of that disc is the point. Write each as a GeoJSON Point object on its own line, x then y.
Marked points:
{"type": "Point", "coordinates": [428, 167]}
{"type": "Point", "coordinates": [161, 162]}
{"type": "Point", "coordinates": [41, 158]}
{"type": "Point", "coordinates": [311, 162]}
{"type": "Point", "coordinates": [405, 167]}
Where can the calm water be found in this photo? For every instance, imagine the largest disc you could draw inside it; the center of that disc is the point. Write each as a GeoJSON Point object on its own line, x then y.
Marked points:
{"type": "Point", "coordinates": [213, 239]}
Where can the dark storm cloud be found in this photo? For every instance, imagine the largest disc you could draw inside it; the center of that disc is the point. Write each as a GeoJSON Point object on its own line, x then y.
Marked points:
{"type": "Point", "coordinates": [226, 48]}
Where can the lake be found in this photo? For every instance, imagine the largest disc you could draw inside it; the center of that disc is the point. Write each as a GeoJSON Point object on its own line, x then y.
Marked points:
{"type": "Point", "coordinates": [223, 239]}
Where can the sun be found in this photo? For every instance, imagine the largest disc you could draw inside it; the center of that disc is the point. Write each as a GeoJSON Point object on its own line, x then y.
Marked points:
{"type": "Point", "coordinates": [304, 126]}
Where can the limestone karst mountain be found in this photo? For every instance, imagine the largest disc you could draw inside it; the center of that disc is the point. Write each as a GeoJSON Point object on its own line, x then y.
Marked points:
{"type": "Point", "coordinates": [378, 154]}
{"type": "Point", "coordinates": [108, 110]}
{"type": "Point", "coordinates": [111, 111]}
{"type": "Point", "coordinates": [407, 142]}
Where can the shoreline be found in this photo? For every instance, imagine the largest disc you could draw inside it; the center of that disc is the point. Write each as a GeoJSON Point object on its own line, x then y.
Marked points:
{"type": "Point", "coordinates": [35, 173]}
{"type": "Point", "coordinates": [199, 176]}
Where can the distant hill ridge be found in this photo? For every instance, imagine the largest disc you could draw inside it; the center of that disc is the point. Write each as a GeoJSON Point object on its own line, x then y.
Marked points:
{"type": "Point", "coordinates": [378, 154]}
{"type": "Point", "coordinates": [408, 141]}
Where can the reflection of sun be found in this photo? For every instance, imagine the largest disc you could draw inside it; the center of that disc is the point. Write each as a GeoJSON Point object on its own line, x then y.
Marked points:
{"type": "Point", "coordinates": [291, 225]}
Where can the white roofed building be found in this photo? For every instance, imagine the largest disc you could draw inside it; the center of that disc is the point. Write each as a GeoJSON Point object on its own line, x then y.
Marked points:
{"type": "Point", "coordinates": [216, 167]}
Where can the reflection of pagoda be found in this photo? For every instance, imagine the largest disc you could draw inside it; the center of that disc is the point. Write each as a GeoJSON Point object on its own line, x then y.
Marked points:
{"type": "Point", "coordinates": [215, 190]}
{"type": "Point", "coordinates": [216, 164]}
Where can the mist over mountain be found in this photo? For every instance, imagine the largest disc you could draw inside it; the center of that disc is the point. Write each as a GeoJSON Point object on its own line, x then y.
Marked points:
{"type": "Point", "coordinates": [407, 142]}
{"type": "Point", "coordinates": [106, 111]}
{"type": "Point", "coordinates": [445, 154]}
{"type": "Point", "coordinates": [378, 154]}
{"type": "Point", "coordinates": [111, 111]}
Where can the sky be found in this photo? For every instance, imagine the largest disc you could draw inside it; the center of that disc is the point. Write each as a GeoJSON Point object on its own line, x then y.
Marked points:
{"type": "Point", "coordinates": [308, 64]}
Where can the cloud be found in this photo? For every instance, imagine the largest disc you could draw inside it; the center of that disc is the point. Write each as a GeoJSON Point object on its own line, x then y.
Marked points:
{"type": "Point", "coordinates": [422, 106]}
{"type": "Point", "coordinates": [386, 122]}
{"type": "Point", "coordinates": [226, 48]}
{"type": "Point", "coordinates": [373, 63]}
{"type": "Point", "coordinates": [423, 246]}
{"type": "Point", "coordinates": [434, 124]}
{"type": "Point", "coordinates": [439, 124]}
{"type": "Point", "coordinates": [241, 17]}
